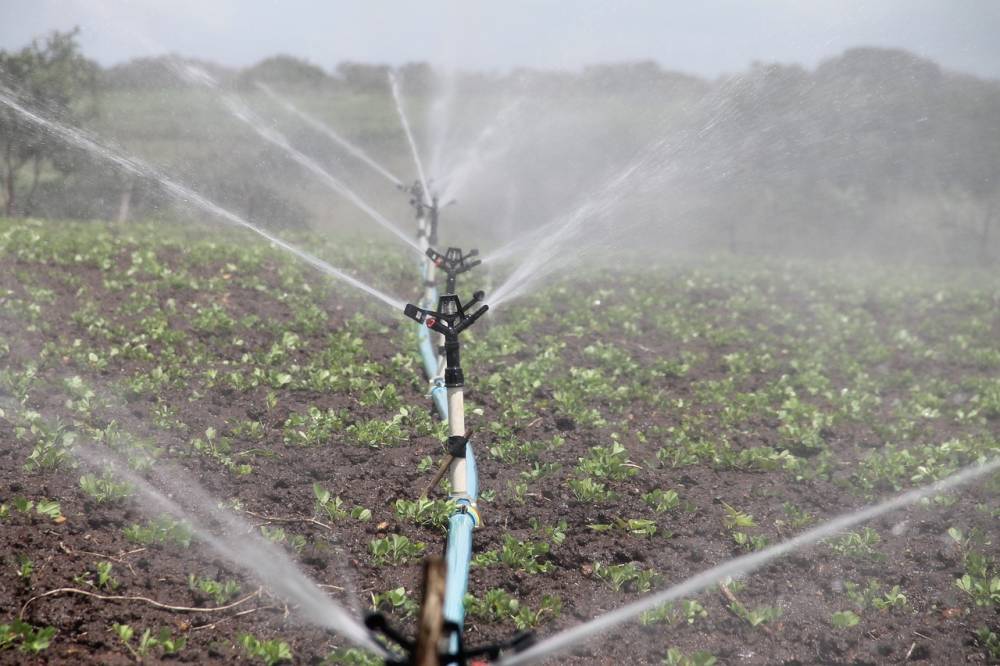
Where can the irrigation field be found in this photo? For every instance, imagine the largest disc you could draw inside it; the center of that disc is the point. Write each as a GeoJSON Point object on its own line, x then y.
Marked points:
{"type": "Point", "coordinates": [633, 429]}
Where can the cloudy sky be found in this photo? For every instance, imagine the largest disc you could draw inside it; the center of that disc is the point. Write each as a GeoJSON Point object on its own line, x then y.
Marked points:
{"type": "Point", "coordinates": [706, 37]}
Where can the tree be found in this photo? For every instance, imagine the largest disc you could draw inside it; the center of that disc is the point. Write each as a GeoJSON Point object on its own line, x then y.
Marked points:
{"type": "Point", "coordinates": [50, 75]}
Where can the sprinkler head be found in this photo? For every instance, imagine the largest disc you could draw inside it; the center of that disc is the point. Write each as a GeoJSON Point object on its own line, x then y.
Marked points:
{"type": "Point", "coordinates": [453, 263]}
{"type": "Point", "coordinates": [450, 318]}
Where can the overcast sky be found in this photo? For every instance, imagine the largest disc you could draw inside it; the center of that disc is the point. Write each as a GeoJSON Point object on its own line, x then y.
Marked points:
{"type": "Point", "coordinates": [706, 37]}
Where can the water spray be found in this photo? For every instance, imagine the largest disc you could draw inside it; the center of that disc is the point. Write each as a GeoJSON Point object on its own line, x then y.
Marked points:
{"type": "Point", "coordinates": [328, 131]}
{"type": "Point", "coordinates": [182, 193]}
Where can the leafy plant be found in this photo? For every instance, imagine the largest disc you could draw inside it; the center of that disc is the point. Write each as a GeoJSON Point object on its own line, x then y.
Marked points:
{"type": "Point", "coordinates": [520, 555]}
{"type": "Point", "coordinates": [625, 576]}
{"type": "Point", "coordinates": [148, 641]}
{"type": "Point", "coordinates": [675, 657]}
{"type": "Point", "coordinates": [844, 619]}
{"type": "Point", "coordinates": [424, 511]}
{"type": "Point", "coordinates": [30, 639]}
{"type": "Point", "coordinates": [858, 544]}
{"type": "Point", "coordinates": [662, 501]}
{"type": "Point", "coordinates": [271, 652]}
{"type": "Point", "coordinates": [159, 531]}
{"type": "Point", "coordinates": [607, 462]}
{"type": "Point", "coordinates": [588, 490]}
{"type": "Point", "coordinates": [105, 489]}
{"type": "Point", "coordinates": [395, 549]}
{"type": "Point", "coordinates": [218, 591]}
{"type": "Point", "coordinates": [397, 601]}
{"type": "Point", "coordinates": [757, 616]}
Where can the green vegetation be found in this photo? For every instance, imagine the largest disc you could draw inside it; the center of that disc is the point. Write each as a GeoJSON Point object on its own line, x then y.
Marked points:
{"type": "Point", "coordinates": [270, 652]}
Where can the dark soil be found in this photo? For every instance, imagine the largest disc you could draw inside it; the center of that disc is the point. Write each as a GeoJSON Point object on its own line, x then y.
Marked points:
{"type": "Point", "coordinates": [935, 627]}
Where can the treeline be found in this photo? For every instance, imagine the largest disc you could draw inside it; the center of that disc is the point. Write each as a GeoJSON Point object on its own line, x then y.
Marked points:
{"type": "Point", "coordinates": [874, 151]}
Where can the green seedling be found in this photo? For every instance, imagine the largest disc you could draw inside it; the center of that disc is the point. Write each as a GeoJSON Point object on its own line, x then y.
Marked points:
{"type": "Point", "coordinates": [757, 616]}
{"type": "Point", "coordinates": [607, 462]}
{"type": "Point", "coordinates": [990, 642]}
{"type": "Point", "coordinates": [634, 526]}
{"type": "Point", "coordinates": [424, 511]}
{"type": "Point", "coordinates": [396, 601]}
{"type": "Point", "coordinates": [844, 619]}
{"type": "Point", "coordinates": [519, 555]}
{"type": "Point", "coordinates": [625, 577]}
{"type": "Point", "coordinates": [29, 639]}
{"type": "Point", "coordinates": [497, 605]}
{"type": "Point", "coordinates": [588, 490]}
{"type": "Point", "coordinates": [662, 501]}
{"type": "Point", "coordinates": [104, 489]}
{"type": "Point", "coordinates": [860, 545]}
{"type": "Point", "coordinates": [25, 568]}
{"type": "Point", "coordinates": [160, 531]}
{"type": "Point", "coordinates": [395, 549]}
{"type": "Point", "coordinates": [271, 652]}
{"type": "Point", "coordinates": [218, 591]}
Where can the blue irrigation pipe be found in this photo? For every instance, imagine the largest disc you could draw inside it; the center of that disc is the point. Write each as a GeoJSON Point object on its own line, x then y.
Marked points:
{"type": "Point", "coordinates": [465, 519]}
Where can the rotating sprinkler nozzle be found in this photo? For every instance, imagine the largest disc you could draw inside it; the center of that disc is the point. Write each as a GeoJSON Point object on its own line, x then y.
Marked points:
{"type": "Point", "coordinates": [453, 263]}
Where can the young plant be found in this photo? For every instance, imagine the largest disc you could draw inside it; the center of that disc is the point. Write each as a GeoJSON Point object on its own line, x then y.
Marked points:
{"type": "Point", "coordinates": [271, 652]}
{"type": "Point", "coordinates": [218, 591]}
{"type": "Point", "coordinates": [520, 555]}
{"type": "Point", "coordinates": [424, 511]}
{"type": "Point", "coordinates": [675, 657]}
{"type": "Point", "coordinates": [625, 576]}
{"type": "Point", "coordinates": [844, 619]}
{"type": "Point", "coordinates": [588, 490]}
{"type": "Point", "coordinates": [860, 545]}
{"type": "Point", "coordinates": [607, 462]}
{"type": "Point", "coordinates": [30, 639]}
{"type": "Point", "coordinates": [395, 549]}
{"type": "Point", "coordinates": [396, 601]}
{"type": "Point", "coordinates": [757, 616]}
{"type": "Point", "coordinates": [159, 531]}
{"type": "Point", "coordinates": [662, 501]}
{"type": "Point", "coordinates": [104, 489]}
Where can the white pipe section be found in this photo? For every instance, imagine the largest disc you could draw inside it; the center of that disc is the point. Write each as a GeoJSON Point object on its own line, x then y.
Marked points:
{"type": "Point", "coordinates": [456, 428]}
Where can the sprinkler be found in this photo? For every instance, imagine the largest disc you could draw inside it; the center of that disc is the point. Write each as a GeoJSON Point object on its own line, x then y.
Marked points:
{"type": "Point", "coordinates": [453, 263]}
{"type": "Point", "coordinates": [442, 618]}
